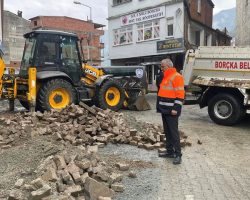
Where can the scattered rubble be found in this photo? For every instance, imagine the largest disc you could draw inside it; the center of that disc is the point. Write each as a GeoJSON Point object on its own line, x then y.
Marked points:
{"type": "Point", "coordinates": [82, 125]}
{"type": "Point", "coordinates": [93, 181]}
{"type": "Point", "coordinates": [85, 175]}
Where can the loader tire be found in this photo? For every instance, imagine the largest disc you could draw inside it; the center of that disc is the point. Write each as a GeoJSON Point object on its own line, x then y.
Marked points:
{"type": "Point", "coordinates": [56, 94]}
{"type": "Point", "coordinates": [225, 109]}
{"type": "Point", "coordinates": [111, 95]}
{"type": "Point", "coordinates": [25, 104]}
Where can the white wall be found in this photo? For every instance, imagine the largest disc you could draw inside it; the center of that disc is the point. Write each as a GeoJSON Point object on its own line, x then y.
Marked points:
{"type": "Point", "coordinates": [146, 48]}
{"type": "Point", "coordinates": [134, 5]}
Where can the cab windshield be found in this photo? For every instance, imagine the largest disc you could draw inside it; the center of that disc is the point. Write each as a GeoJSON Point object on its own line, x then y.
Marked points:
{"type": "Point", "coordinates": [28, 54]}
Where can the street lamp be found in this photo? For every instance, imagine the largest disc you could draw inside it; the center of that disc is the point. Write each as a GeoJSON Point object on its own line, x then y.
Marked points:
{"type": "Point", "coordinates": [79, 3]}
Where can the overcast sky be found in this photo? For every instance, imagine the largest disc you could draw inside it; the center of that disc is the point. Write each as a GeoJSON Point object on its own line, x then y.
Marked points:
{"type": "Point", "coordinates": [32, 8]}
{"type": "Point", "coordinates": [223, 5]}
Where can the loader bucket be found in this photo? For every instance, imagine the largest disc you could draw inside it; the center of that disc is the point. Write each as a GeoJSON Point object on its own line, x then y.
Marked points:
{"type": "Point", "coordinates": [140, 104]}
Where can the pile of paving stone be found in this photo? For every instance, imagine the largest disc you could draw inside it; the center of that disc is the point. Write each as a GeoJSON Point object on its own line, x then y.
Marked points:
{"type": "Point", "coordinates": [81, 126]}
{"type": "Point", "coordinates": [84, 175]}
{"type": "Point", "coordinates": [66, 176]}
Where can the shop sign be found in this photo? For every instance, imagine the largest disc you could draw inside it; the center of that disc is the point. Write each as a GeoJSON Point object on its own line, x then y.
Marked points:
{"type": "Point", "coordinates": [170, 45]}
{"type": "Point", "coordinates": [142, 16]}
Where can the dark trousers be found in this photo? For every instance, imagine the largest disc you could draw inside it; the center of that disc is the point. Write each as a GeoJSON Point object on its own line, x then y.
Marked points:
{"type": "Point", "coordinates": [170, 125]}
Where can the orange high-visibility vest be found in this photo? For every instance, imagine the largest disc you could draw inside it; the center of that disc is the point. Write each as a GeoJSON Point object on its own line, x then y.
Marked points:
{"type": "Point", "coordinates": [171, 93]}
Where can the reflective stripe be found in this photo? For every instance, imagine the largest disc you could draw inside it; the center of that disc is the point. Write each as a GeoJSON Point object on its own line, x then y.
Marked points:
{"type": "Point", "coordinates": [179, 89]}
{"type": "Point", "coordinates": [166, 104]}
{"type": "Point", "coordinates": [173, 77]}
{"type": "Point", "coordinates": [164, 87]}
{"type": "Point", "coordinates": [178, 102]}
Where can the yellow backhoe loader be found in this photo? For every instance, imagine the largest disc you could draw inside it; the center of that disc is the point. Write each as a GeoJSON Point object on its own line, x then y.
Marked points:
{"type": "Point", "coordinates": [53, 76]}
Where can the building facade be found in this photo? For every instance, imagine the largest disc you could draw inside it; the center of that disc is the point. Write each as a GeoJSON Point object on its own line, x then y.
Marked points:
{"type": "Point", "coordinates": [88, 31]}
{"type": "Point", "coordinates": [146, 32]}
{"type": "Point", "coordinates": [14, 27]}
{"type": "Point", "coordinates": [242, 23]}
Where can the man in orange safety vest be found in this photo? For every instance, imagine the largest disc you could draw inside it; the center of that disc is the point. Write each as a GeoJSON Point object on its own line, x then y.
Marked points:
{"type": "Point", "coordinates": [169, 103]}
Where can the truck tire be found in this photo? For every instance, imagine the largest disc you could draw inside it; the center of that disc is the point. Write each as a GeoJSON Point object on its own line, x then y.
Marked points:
{"type": "Point", "coordinates": [56, 94]}
{"type": "Point", "coordinates": [111, 95]}
{"type": "Point", "coordinates": [225, 109]}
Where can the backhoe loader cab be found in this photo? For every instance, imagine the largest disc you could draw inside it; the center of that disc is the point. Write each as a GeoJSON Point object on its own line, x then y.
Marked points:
{"type": "Point", "coordinates": [52, 52]}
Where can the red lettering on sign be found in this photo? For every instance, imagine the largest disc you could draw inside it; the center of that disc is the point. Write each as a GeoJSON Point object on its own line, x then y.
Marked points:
{"type": "Point", "coordinates": [216, 64]}
{"type": "Point", "coordinates": [232, 65]}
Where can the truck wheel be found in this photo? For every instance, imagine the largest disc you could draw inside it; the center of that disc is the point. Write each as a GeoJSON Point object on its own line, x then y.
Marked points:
{"type": "Point", "coordinates": [225, 109]}
{"type": "Point", "coordinates": [56, 94]}
{"type": "Point", "coordinates": [111, 95]}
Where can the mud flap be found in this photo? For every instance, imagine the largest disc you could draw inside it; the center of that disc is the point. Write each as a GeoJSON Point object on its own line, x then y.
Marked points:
{"type": "Point", "coordinates": [140, 104]}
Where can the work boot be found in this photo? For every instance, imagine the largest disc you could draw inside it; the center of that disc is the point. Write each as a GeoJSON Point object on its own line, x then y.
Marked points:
{"type": "Point", "coordinates": [177, 160]}
{"type": "Point", "coordinates": [166, 155]}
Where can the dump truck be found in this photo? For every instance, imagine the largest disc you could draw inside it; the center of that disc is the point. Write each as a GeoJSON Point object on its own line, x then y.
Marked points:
{"type": "Point", "coordinates": [54, 74]}
{"type": "Point", "coordinates": [219, 78]}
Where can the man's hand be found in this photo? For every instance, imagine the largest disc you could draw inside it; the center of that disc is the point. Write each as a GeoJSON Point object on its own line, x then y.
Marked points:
{"type": "Point", "coordinates": [174, 112]}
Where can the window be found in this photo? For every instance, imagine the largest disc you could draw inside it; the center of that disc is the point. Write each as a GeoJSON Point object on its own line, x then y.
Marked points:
{"type": "Point", "coordinates": [199, 6]}
{"type": "Point", "coordinates": [170, 27]}
{"type": "Point", "coordinates": [46, 54]}
{"type": "Point", "coordinates": [70, 57]}
{"type": "Point", "coordinates": [118, 2]}
{"type": "Point", "coordinates": [148, 30]}
{"type": "Point", "coordinates": [13, 28]}
{"type": "Point", "coordinates": [35, 23]}
{"type": "Point", "coordinates": [197, 38]}
{"type": "Point", "coordinates": [29, 49]}
{"type": "Point", "coordinates": [123, 36]}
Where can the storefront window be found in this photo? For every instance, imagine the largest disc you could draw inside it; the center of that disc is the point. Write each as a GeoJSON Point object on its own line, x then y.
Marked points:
{"type": "Point", "coordinates": [148, 30]}
{"type": "Point", "coordinates": [123, 36]}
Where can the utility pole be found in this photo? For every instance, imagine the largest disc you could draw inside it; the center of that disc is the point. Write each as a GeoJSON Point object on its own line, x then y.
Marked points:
{"type": "Point", "coordinates": [91, 37]}
{"type": "Point", "coordinates": [90, 8]}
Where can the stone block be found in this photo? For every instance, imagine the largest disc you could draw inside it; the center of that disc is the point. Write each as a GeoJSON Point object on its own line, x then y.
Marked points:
{"type": "Point", "coordinates": [16, 195]}
{"type": "Point", "coordinates": [19, 183]}
{"type": "Point", "coordinates": [50, 175]}
{"type": "Point", "coordinates": [117, 187]}
{"type": "Point", "coordinates": [84, 164]}
{"type": "Point", "coordinates": [74, 190]}
{"type": "Point", "coordinates": [122, 166]}
{"type": "Point", "coordinates": [132, 174]}
{"type": "Point", "coordinates": [148, 146]}
{"type": "Point", "coordinates": [114, 177]}
{"type": "Point", "coordinates": [94, 189]}
{"type": "Point", "coordinates": [60, 162]}
{"type": "Point", "coordinates": [84, 177]}
{"type": "Point", "coordinates": [41, 193]}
